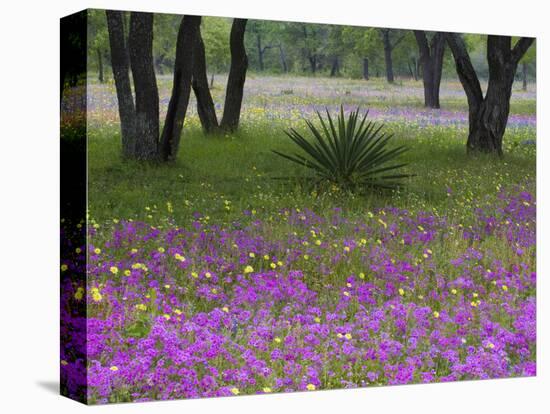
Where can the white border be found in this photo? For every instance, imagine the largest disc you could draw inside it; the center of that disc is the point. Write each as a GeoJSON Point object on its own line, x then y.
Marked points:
{"type": "Point", "coordinates": [29, 163]}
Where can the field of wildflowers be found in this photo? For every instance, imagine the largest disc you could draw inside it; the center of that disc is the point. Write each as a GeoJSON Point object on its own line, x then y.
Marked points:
{"type": "Point", "coordinates": [208, 278]}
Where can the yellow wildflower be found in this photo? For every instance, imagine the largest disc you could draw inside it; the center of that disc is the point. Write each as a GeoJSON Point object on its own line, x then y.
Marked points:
{"type": "Point", "coordinates": [96, 294]}
{"type": "Point", "coordinates": [310, 387]}
{"type": "Point", "coordinates": [79, 294]}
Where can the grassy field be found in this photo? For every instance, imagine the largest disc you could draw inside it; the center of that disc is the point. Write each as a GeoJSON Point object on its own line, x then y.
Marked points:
{"type": "Point", "coordinates": [220, 176]}
{"type": "Point", "coordinates": [211, 277]}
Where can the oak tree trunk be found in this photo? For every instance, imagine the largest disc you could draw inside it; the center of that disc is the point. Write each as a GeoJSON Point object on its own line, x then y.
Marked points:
{"type": "Point", "coordinates": [237, 76]}
{"type": "Point", "coordinates": [121, 74]}
{"type": "Point", "coordinates": [366, 68]}
{"type": "Point", "coordinates": [283, 58]}
{"type": "Point", "coordinates": [100, 65]}
{"type": "Point", "coordinates": [488, 115]}
{"type": "Point", "coordinates": [335, 69]}
{"type": "Point", "coordinates": [205, 104]}
{"type": "Point", "coordinates": [431, 58]}
{"type": "Point", "coordinates": [260, 51]}
{"type": "Point", "coordinates": [313, 63]}
{"type": "Point", "coordinates": [181, 89]}
{"type": "Point", "coordinates": [524, 75]}
{"type": "Point", "coordinates": [140, 48]}
{"type": "Point", "coordinates": [388, 55]}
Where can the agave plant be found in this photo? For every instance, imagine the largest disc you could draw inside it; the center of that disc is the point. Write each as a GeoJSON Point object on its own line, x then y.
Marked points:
{"type": "Point", "coordinates": [351, 153]}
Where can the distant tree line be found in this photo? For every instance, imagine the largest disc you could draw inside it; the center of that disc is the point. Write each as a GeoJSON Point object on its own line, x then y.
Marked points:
{"type": "Point", "coordinates": [140, 46]}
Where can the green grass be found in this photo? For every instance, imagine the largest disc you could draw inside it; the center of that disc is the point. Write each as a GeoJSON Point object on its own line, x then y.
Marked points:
{"type": "Point", "coordinates": [220, 176]}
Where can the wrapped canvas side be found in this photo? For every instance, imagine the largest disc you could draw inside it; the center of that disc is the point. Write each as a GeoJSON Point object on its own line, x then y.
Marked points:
{"type": "Point", "coordinates": [73, 129]}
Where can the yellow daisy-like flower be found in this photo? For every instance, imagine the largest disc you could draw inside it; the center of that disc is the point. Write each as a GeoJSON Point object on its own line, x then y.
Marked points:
{"type": "Point", "coordinates": [266, 257]}
{"type": "Point", "coordinates": [505, 288]}
{"type": "Point", "coordinates": [63, 362]}
{"type": "Point", "coordinates": [277, 339]}
{"type": "Point", "coordinates": [96, 294]}
{"type": "Point", "coordinates": [141, 307]}
{"type": "Point", "coordinates": [114, 368]}
{"type": "Point", "coordinates": [166, 316]}
{"type": "Point", "coordinates": [79, 294]}
{"type": "Point", "coordinates": [235, 391]}
{"type": "Point", "coordinates": [225, 309]}
{"type": "Point", "coordinates": [64, 267]}
{"type": "Point", "coordinates": [252, 255]}
{"type": "Point", "coordinates": [177, 311]}
{"type": "Point", "coordinates": [179, 257]}
{"type": "Point", "coordinates": [161, 249]}
{"type": "Point", "coordinates": [310, 387]}
{"type": "Point", "coordinates": [266, 390]}
{"type": "Point", "coordinates": [346, 249]}
{"type": "Point", "coordinates": [127, 272]}
{"type": "Point", "coordinates": [317, 319]}
{"type": "Point", "coordinates": [361, 275]}
{"type": "Point", "coordinates": [436, 314]}
{"type": "Point", "coordinates": [401, 291]}
{"type": "Point", "coordinates": [208, 275]}
{"type": "Point", "coordinates": [113, 270]}
{"type": "Point", "coordinates": [348, 336]}
{"type": "Point", "coordinates": [346, 293]}
{"type": "Point", "coordinates": [273, 265]}
{"type": "Point", "coordinates": [453, 291]}
{"type": "Point", "coordinates": [97, 250]}
{"type": "Point", "coordinates": [248, 269]}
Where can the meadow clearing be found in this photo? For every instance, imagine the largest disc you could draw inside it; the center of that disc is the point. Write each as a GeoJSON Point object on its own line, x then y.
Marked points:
{"type": "Point", "coordinates": [210, 276]}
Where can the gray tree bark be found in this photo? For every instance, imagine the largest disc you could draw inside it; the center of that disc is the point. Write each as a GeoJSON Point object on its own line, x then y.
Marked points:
{"type": "Point", "coordinates": [181, 89]}
{"type": "Point", "coordinates": [431, 59]}
{"type": "Point", "coordinates": [205, 104]}
{"type": "Point", "coordinates": [140, 48]}
{"type": "Point", "coordinates": [237, 76]}
{"type": "Point", "coordinates": [121, 74]}
{"type": "Point", "coordinates": [488, 115]}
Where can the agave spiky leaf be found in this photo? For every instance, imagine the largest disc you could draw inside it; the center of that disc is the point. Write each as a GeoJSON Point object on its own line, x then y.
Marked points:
{"type": "Point", "coordinates": [351, 152]}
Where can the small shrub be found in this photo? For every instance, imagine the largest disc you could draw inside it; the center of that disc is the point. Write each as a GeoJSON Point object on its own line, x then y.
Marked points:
{"type": "Point", "coordinates": [352, 153]}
